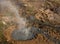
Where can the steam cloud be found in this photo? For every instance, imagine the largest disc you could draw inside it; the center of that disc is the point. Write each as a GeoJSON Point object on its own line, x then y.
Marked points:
{"type": "Point", "coordinates": [22, 33]}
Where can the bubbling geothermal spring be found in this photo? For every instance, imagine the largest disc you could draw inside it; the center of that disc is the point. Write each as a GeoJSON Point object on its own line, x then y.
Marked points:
{"type": "Point", "coordinates": [22, 32]}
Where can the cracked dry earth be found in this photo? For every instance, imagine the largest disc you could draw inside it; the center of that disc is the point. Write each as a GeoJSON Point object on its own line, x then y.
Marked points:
{"type": "Point", "coordinates": [42, 14]}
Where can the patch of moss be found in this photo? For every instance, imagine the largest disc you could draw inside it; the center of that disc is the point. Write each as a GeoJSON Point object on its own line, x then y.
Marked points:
{"type": "Point", "coordinates": [2, 38]}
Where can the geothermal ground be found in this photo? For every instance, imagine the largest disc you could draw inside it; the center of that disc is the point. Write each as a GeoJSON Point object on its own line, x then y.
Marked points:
{"type": "Point", "coordinates": [40, 20]}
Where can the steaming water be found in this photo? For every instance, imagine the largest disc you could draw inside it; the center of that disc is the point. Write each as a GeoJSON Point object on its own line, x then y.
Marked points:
{"type": "Point", "coordinates": [21, 33]}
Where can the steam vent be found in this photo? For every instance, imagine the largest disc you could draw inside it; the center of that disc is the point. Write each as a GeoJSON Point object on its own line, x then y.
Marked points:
{"type": "Point", "coordinates": [29, 21]}
{"type": "Point", "coordinates": [24, 34]}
